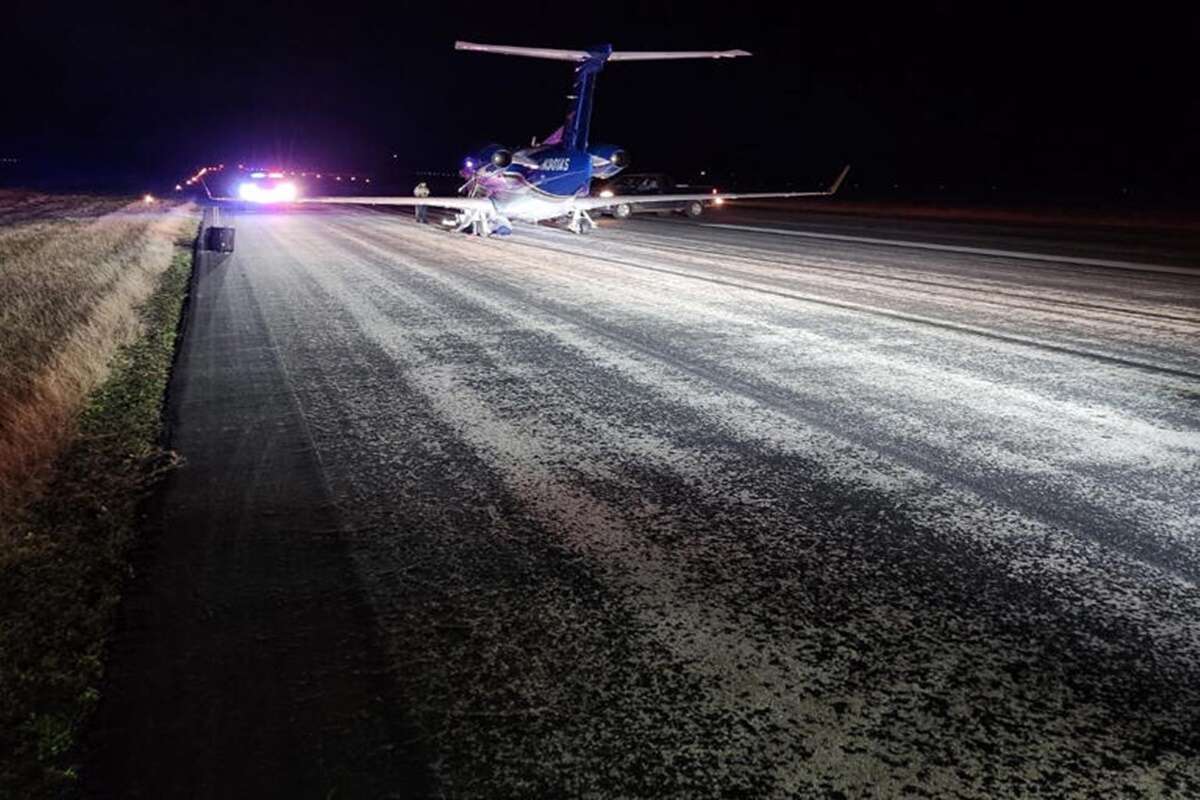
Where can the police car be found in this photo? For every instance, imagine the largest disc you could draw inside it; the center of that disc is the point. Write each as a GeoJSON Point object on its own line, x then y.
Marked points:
{"type": "Point", "coordinates": [267, 187]}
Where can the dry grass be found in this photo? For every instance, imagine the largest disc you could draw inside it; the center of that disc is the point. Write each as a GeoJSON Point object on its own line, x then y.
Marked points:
{"type": "Point", "coordinates": [91, 293]}
{"type": "Point", "coordinates": [72, 273]}
{"type": "Point", "coordinates": [18, 206]}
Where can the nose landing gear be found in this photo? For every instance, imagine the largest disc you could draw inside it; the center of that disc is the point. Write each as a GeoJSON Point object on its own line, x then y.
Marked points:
{"type": "Point", "coordinates": [481, 223]}
{"type": "Point", "coordinates": [581, 222]}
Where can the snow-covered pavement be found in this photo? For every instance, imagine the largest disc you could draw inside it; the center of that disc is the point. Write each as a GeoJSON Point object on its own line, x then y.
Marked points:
{"type": "Point", "coordinates": [683, 511]}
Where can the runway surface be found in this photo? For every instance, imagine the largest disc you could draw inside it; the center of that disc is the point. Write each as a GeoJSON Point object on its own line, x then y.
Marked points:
{"type": "Point", "coordinates": [674, 510]}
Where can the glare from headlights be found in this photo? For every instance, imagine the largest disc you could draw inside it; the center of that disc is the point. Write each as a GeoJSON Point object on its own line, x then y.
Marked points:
{"type": "Point", "coordinates": [279, 193]}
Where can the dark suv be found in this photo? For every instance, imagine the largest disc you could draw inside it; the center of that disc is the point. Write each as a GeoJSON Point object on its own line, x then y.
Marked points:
{"type": "Point", "coordinates": [650, 183]}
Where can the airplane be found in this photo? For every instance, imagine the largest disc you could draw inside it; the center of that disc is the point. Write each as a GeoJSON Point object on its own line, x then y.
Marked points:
{"type": "Point", "coordinates": [551, 180]}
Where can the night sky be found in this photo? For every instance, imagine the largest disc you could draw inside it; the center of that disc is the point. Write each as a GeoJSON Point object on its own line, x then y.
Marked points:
{"type": "Point", "coordinates": [1075, 102]}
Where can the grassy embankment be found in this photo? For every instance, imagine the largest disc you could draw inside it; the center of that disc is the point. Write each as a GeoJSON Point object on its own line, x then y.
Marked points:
{"type": "Point", "coordinates": [91, 291]}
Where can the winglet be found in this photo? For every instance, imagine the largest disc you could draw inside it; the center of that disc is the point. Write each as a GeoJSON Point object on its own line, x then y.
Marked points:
{"type": "Point", "coordinates": [837, 184]}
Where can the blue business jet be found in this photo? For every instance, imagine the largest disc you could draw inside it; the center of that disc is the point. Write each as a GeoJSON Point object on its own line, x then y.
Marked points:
{"type": "Point", "coordinates": [552, 180]}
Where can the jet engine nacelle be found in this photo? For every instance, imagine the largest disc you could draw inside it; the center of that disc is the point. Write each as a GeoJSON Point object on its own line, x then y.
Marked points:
{"type": "Point", "coordinates": [494, 156]}
{"type": "Point", "coordinates": [608, 160]}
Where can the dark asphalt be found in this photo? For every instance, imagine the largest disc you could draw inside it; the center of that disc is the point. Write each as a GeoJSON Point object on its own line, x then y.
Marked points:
{"type": "Point", "coordinates": [246, 663]}
{"type": "Point", "coordinates": [670, 511]}
{"type": "Point", "coordinates": [1169, 246]}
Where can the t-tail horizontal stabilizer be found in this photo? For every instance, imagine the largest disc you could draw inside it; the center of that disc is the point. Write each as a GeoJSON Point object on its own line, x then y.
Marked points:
{"type": "Point", "coordinates": [583, 55]}
{"type": "Point", "coordinates": [590, 62]}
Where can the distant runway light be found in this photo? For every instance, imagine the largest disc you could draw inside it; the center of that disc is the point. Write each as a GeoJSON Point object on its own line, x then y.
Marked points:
{"type": "Point", "coordinates": [148, 198]}
{"type": "Point", "coordinates": [178, 188]}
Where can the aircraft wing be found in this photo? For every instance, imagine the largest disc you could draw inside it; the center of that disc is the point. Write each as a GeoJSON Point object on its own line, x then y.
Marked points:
{"type": "Point", "coordinates": [460, 203]}
{"type": "Point", "coordinates": [590, 203]}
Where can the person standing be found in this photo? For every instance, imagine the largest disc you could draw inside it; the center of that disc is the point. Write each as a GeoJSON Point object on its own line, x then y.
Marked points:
{"type": "Point", "coordinates": [422, 211]}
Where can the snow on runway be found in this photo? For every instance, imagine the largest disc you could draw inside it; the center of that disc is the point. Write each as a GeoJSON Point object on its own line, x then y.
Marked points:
{"type": "Point", "coordinates": [683, 511]}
